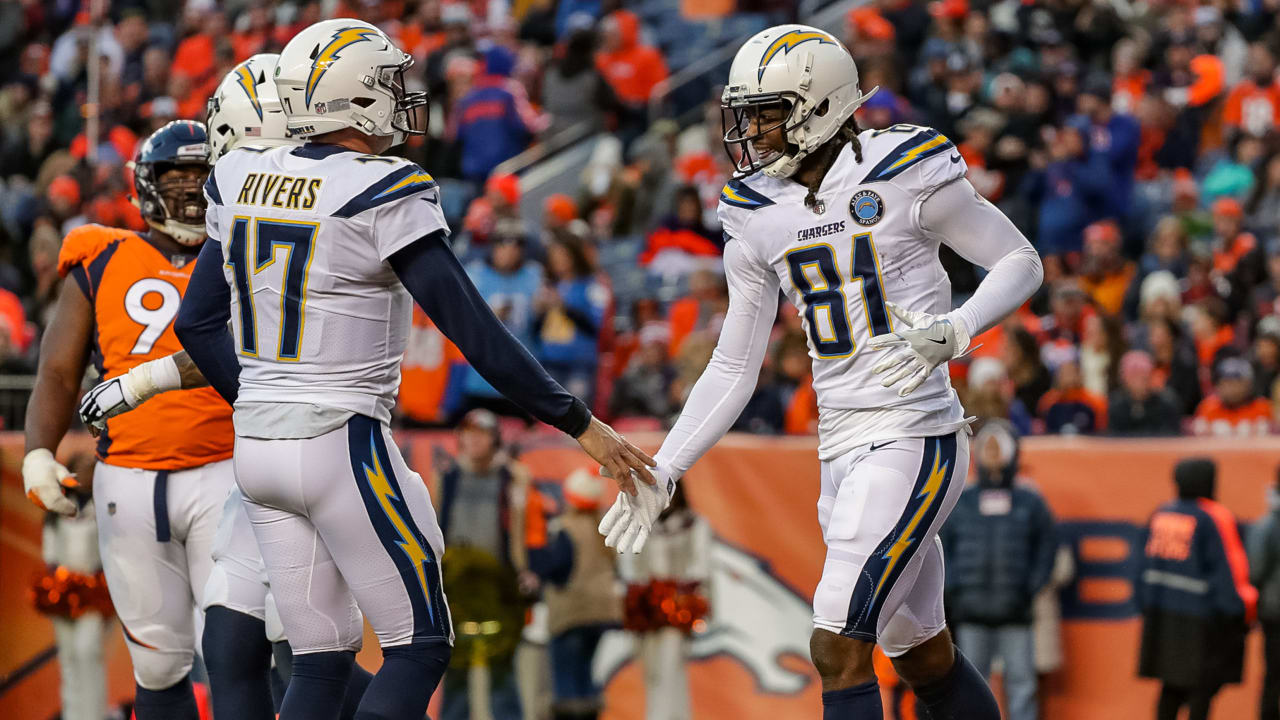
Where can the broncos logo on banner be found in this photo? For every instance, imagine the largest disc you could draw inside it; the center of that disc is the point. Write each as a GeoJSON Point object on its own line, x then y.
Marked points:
{"type": "Point", "coordinates": [755, 619]}
{"type": "Point", "coordinates": [788, 40]}
{"type": "Point", "coordinates": [244, 77]}
{"type": "Point", "coordinates": [342, 39]}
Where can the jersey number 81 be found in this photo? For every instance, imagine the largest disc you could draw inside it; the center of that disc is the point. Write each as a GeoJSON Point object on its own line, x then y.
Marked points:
{"type": "Point", "coordinates": [816, 274]}
{"type": "Point", "coordinates": [297, 239]}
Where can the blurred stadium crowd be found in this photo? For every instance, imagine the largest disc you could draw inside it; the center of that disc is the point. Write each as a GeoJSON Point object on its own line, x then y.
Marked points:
{"type": "Point", "coordinates": [1134, 142]}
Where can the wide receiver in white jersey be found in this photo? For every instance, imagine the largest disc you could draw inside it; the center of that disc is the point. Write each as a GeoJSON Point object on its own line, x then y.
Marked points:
{"type": "Point", "coordinates": [241, 627]}
{"type": "Point", "coordinates": [848, 224]}
{"type": "Point", "coordinates": [322, 249]}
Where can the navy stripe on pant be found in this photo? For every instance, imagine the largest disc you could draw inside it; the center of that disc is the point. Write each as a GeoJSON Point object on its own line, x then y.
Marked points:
{"type": "Point", "coordinates": [393, 522]}
{"type": "Point", "coordinates": [896, 550]}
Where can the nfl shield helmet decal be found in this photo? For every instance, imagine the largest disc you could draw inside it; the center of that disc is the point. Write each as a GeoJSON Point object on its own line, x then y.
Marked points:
{"type": "Point", "coordinates": [866, 207]}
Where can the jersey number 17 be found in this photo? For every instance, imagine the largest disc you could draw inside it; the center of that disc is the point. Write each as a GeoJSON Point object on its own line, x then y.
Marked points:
{"type": "Point", "coordinates": [254, 242]}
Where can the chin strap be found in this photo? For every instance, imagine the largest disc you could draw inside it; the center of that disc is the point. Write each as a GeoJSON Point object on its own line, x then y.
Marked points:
{"type": "Point", "coordinates": [184, 234]}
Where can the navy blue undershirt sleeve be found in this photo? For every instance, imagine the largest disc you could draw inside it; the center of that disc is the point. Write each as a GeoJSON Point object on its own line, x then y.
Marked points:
{"type": "Point", "coordinates": [201, 325]}
{"type": "Point", "coordinates": [433, 276]}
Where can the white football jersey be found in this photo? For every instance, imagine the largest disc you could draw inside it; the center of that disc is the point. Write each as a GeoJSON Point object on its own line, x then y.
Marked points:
{"type": "Point", "coordinates": [839, 266]}
{"type": "Point", "coordinates": [319, 319]}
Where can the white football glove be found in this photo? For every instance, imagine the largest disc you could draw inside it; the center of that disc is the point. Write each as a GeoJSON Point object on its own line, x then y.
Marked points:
{"type": "Point", "coordinates": [125, 392]}
{"type": "Point", "coordinates": [627, 525]}
{"type": "Point", "coordinates": [921, 343]}
{"type": "Point", "coordinates": [43, 478]}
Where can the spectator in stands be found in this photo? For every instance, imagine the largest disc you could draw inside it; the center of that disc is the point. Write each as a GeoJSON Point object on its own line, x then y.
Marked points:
{"type": "Point", "coordinates": [1070, 190]}
{"type": "Point", "coordinates": [430, 375]}
{"type": "Point", "coordinates": [1000, 544]}
{"type": "Point", "coordinates": [1070, 408]}
{"type": "Point", "coordinates": [509, 283]}
{"type": "Point", "coordinates": [1263, 207]}
{"type": "Point", "coordinates": [644, 388]}
{"type": "Point", "coordinates": [1232, 176]}
{"type": "Point", "coordinates": [63, 199]}
{"type": "Point", "coordinates": [1166, 251]}
{"type": "Point", "coordinates": [1139, 407]}
{"type": "Point", "coordinates": [1175, 362]}
{"type": "Point", "coordinates": [1105, 273]}
{"type": "Point", "coordinates": [573, 90]}
{"type": "Point", "coordinates": [702, 309]}
{"type": "Point", "coordinates": [581, 595]}
{"type": "Point", "coordinates": [1237, 256]}
{"type": "Point", "coordinates": [1114, 137]}
{"type": "Point", "coordinates": [1253, 105]}
{"type": "Point", "coordinates": [1100, 351]}
{"type": "Point", "coordinates": [1031, 379]}
{"type": "Point", "coordinates": [989, 394]}
{"type": "Point", "coordinates": [1214, 336]}
{"type": "Point", "coordinates": [1265, 355]}
{"type": "Point", "coordinates": [569, 312]}
{"type": "Point", "coordinates": [631, 68]}
{"type": "Point", "coordinates": [1193, 589]}
{"type": "Point", "coordinates": [487, 502]}
{"type": "Point", "coordinates": [500, 204]}
{"type": "Point", "coordinates": [1264, 574]}
{"type": "Point", "coordinates": [1233, 409]}
{"type": "Point", "coordinates": [494, 120]}
{"type": "Point", "coordinates": [682, 244]}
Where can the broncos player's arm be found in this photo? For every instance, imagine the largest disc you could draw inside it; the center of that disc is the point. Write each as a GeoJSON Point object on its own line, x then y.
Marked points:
{"type": "Point", "coordinates": [431, 273]}
{"type": "Point", "coordinates": [125, 392]}
{"type": "Point", "coordinates": [64, 353]}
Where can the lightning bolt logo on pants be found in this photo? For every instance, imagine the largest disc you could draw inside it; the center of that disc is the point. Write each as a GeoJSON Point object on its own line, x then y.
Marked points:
{"type": "Point", "coordinates": [378, 481]}
{"type": "Point", "coordinates": [930, 491]}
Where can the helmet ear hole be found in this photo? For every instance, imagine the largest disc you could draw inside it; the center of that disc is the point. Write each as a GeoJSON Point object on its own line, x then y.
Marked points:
{"type": "Point", "coordinates": [363, 102]}
{"type": "Point", "coordinates": [822, 109]}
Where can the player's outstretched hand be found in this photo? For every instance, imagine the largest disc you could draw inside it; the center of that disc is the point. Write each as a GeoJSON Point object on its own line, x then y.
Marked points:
{"type": "Point", "coordinates": [43, 478]}
{"type": "Point", "coordinates": [628, 523]}
{"type": "Point", "coordinates": [921, 343]}
{"type": "Point", "coordinates": [618, 456]}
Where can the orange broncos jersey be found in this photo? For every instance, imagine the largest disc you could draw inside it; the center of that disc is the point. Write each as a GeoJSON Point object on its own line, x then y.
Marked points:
{"type": "Point", "coordinates": [135, 291]}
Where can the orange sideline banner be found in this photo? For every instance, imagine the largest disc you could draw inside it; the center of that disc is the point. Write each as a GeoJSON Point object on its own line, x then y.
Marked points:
{"type": "Point", "coordinates": [759, 495]}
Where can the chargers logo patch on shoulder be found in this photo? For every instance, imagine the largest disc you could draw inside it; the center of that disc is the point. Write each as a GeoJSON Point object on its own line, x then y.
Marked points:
{"type": "Point", "coordinates": [866, 207]}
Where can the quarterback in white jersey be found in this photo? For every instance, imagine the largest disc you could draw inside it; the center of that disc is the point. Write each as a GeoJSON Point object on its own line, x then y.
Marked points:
{"type": "Point", "coordinates": [321, 249]}
{"type": "Point", "coordinates": [848, 225]}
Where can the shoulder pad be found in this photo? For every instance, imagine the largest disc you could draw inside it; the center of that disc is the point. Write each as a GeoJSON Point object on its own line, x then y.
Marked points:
{"type": "Point", "coordinates": [405, 180]}
{"type": "Point", "coordinates": [738, 194]}
{"type": "Point", "coordinates": [924, 143]}
{"type": "Point", "coordinates": [86, 242]}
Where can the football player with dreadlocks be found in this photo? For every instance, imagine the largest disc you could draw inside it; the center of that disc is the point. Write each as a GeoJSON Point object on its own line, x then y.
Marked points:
{"type": "Point", "coordinates": [848, 223]}
{"type": "Point", "coordinates": [163, 471]}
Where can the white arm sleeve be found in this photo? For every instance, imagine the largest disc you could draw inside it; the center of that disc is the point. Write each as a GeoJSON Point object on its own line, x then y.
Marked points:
{"type": "Point", "coordinates": [726, 385]}
{"type": "Point", "coordinates": [957, 215]}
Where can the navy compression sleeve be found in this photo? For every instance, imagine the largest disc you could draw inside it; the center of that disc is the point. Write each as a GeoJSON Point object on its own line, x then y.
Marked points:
{"type": "Point", "coordinates": [201, 325]}
{"type": "Point", "coordinates": [434, 277]}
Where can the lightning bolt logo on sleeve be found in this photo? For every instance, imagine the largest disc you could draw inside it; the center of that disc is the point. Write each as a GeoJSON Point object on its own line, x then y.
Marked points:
{"type": "Point", "coordinates": [408, 542]}
{"type": "Point", "coordinates": [344, 38]}
{"type": "Point", "coordinates": [786, 41]}
{"type": "Point", "coordinates": [244, 78]}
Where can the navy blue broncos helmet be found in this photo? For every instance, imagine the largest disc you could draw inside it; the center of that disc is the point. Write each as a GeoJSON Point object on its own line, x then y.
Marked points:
{"type": "Point", "coordinates": [173, 205]}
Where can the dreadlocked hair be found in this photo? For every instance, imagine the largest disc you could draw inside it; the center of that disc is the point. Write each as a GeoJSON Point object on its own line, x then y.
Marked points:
{"type": "Point", "coordinates": [848, 133]}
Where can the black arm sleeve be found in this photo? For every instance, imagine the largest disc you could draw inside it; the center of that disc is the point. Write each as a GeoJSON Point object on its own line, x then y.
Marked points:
{"type": "Point", "coordinates": [434, 277]}
{"type": "Point", "coordinates": [201, 325]}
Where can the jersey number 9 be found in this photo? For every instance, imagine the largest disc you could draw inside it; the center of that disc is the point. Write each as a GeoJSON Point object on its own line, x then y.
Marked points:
{"type": "Point", "coordinates": [297, 239]}
{"type": "Point", "coordinates": [816, 274]}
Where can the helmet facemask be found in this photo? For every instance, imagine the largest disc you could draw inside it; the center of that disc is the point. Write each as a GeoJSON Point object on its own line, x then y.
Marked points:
{"type": "Point", "coordinates": [409, 114]}
{"type": "Point", "coordinates": [743, 127]}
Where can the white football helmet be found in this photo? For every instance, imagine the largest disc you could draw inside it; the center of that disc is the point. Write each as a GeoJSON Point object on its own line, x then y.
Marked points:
{"type": "Point", "coordinates": [347, 73]}
{"type": "Point", "coordinates": [803, 71]}
{"type": "Point", "coordinates": [245, 108]}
